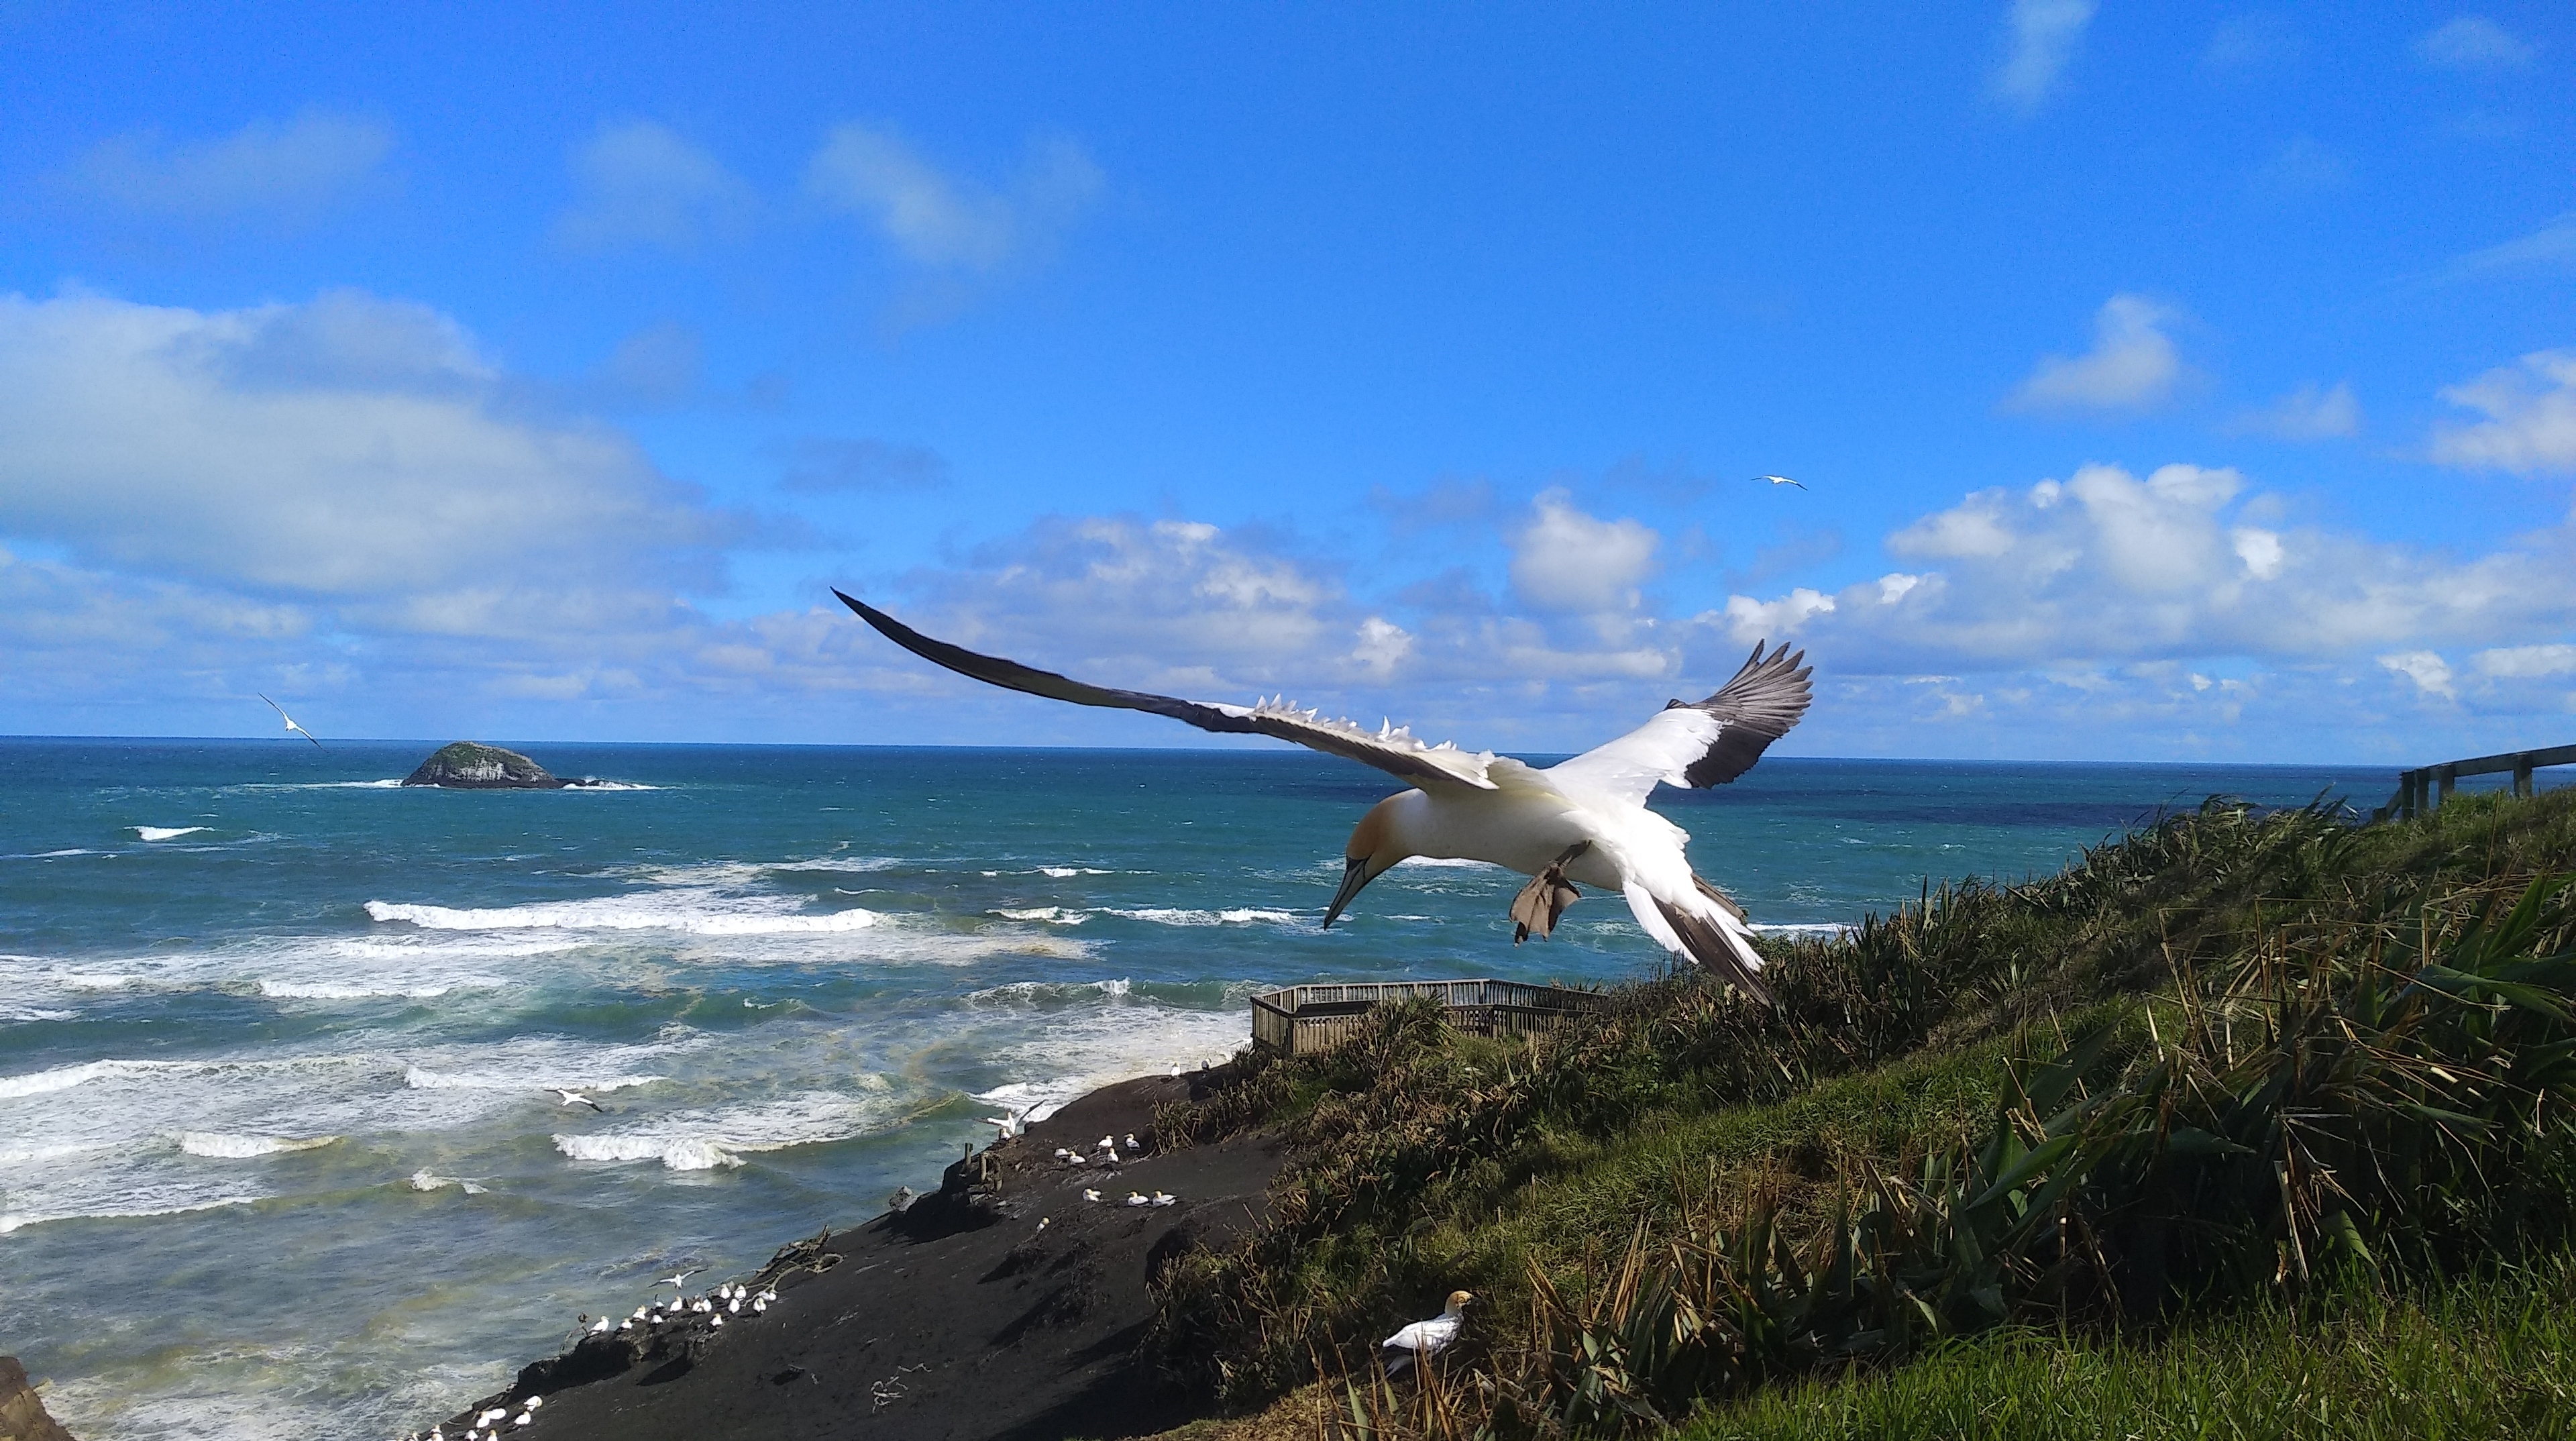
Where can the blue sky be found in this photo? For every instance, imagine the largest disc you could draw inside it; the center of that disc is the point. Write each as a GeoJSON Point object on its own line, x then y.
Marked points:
{"type": "Point", "coordinates": [2168, 382]}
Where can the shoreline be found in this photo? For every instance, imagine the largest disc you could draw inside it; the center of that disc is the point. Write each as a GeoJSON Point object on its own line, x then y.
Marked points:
{"type": "Point", "coordinates": [1003, 1305]}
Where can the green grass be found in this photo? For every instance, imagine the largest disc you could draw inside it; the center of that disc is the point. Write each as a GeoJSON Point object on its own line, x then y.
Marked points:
{"type": "Point", "coordinates": [1646, 1204]}
{"type": "Point", "coordinates": [2483, 1358]}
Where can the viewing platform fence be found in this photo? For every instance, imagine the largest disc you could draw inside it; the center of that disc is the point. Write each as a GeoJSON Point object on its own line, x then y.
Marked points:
{"type": "Point", "coordinates": [2424, 788]}
{"type": "Point", "coordinates": [1302, 1020]}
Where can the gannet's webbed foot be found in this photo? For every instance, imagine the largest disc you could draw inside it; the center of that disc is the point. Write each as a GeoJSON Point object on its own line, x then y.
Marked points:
{"type": "Point", "coordinates": [1545, 898]}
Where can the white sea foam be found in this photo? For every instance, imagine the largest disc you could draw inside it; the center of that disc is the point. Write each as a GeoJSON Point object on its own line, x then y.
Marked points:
{"type": "Point", "coordinates": [15, 1220]}
{"type": "Point", "coordinates": [1168, 916]}
{"type": "Point", "coordinates": [1037, 992]}
{"type": "Point", "coordinates": [422, 1079]}
{"type": "Point", "coordinates": [236, 1148]}
{"type": "Point", "coordinates": [12, 1011]}
{"type": "Point", "coordinates": [164, 833]}
{"type": "Point", "coordinates": [589, 785]}
{"type": "Point", "coordinates": [52, 855]}
{"type": "Point", "coordinates": [1080, 1052]}
{"type": "Point", "coordinates": [700, 1140]}
{"type": "Point", "coordinates": [425, 1180]}
{"type": "Point", "coordinates": [1055, 915]}
{"type": "Point", "coordinates": [1061, 872]}
{"type": "Point", "coordinates": [1827, 929]}
{"type": "Point", "coordinates": [636, 913]}
{"type": "Point", "coordinates": [369, 990]}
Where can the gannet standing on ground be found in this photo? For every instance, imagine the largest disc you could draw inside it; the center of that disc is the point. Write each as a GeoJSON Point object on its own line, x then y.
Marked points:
{"type": "Point", "coordinates": [1425, 1339]}
{"type": "Point", "coordinates": [1582, 821]}
{"type": "Point", "coordinates": [290, 720]}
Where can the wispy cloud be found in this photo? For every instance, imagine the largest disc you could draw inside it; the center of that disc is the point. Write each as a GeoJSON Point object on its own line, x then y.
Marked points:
{"type": "Point", "coordinates": [1566, 561]}
{"type": "Point", "coordinates": [289, 172]}
{"type": "Point", "coordinates": [942, 222]}
{"type": "Point", "coordinates": [2245, 44]}
{"type": "Point", "coordinates": [2132, 366]}
{"type": "Point", "coordinates": [640, 183]}
{"type": "Point", "coordinates": [2474, 43]}
{"type": "Point", "coordinates": [2311, 412]}
{"type": "Point", "coordinates": [2302, 165]}
{"type": "Point", "coordinates": [825, 465]}
{"type": "Point", "coordinates": [2530, 410]}
{"type": "Point", "coordinates": [2552, 246]}
{"type": "Point", "coordinates": [2040, 41]}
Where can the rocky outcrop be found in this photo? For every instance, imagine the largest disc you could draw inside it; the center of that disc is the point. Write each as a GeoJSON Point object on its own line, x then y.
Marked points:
{"type": "Point", "coordinates": [472, 766]}
{"type": "Point", "coordinates": [22, 1413]}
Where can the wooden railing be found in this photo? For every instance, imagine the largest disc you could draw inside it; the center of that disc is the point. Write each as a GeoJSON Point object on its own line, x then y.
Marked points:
{"type": "Point", "coordinates": [1302, 1020]}
{"type": "Point", "coordinates": [2423, 789]}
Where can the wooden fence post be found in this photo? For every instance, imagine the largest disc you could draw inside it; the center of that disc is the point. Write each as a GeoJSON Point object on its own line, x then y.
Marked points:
{"type": "Point", "coordinates": [2522, 785]}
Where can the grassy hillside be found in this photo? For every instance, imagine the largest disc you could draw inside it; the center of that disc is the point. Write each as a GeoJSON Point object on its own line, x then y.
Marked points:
{"type": "Point", "coordinates": [2273, 1072]}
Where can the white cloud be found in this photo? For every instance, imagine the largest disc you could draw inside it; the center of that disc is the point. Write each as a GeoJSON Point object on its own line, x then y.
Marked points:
{"type": "Point", "coordinates": [2431, 674]}
{"type": "Point", "coordinates": [2106, 568]}
{"type": "Point", "coordinates": [945, 223]}
{"type": "Point", "coordinates": [2040, 39]}
{"type": "Point", "coordinates": [2530, 411]}
{"type": "Point", "coordinates": [345, 448]}
{"type": "Point", "coordinates": [1572, 563]}
{"type": "Point", "coordinates": [2473, 42]}
{"type": "Point", "coordinates": [640, 183]}
{"type": "Point", "coordinates": [2132, 366]}
{"type": "Point", "coordinates": [1382, 646]}
{"type": "Point", "coordinates": [2527, 661]}
{"type": "Point", "coordinates": [2311, 412]}
{"type": "Point", "coordinates": [289, 171]}
{"type": "Point", "coordinates": [2551, 246]}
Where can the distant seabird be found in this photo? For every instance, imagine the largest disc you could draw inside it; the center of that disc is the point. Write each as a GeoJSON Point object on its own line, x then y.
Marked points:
{"type": "Point", "coordinates": [1164, 1198]}
{"type": "Point", "coordinates": [1090, 1195]}
{"type": "Point", "coordinates": [1425, 1338]}
{"type": "Point", "coordinates": [290, 720]}
{"type": "Point", "coordinates": [1138, 1198]}
{"type": "Point", "coordinates": [674, 1281]}
{"type": "Point", "coordinates": [576, 1098]}
{"type": "Point", "coordinates": [1131, 1142]}
{"type": "Point", "coordinates": [600, 1327]}
{"type": "Point", "coordinates": [1582, 821]}
{"type": "Point", "coordinates": [1781, 480]}
{"type": "Point", "coordinates": [901, 1199]}
{"type": "Point", "coordinates": [1012, 1121]}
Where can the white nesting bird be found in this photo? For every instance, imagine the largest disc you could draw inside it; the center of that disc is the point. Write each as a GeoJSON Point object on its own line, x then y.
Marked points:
{"type": "Point", "coordinates": [1425, 1339]}
{"type": "Point", "coordinates": [1138, 1198]}
{"type": "Point", "coordinates": [491, 1415]}
{"type": "Point", "coordinates": [1164, 1198]}
{"type": "Point", "coordinates": [290, 721]}
{"type": "Point", "coordinates": [1090, 1195]}
{"type": "Point", "coordinates": [1580, 822]}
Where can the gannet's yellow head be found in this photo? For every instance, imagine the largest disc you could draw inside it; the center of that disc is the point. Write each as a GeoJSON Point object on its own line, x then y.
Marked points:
{"type": "Point", "coordinates": [1457, 1302]}
{"type": "Point", "coordinates": [1374, 847]}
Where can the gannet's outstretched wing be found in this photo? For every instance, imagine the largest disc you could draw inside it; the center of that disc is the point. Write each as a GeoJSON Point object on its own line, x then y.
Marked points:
{"type": "Point", "coordinates": [1699, 743]}
{"type": "Point", "coordinates": [290, 720]}
{"type": "Point", "coordinates": [1392, 749]}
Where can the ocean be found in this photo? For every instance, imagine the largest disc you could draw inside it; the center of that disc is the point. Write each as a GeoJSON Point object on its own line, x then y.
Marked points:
{"type": "Point", "coordinates": [281, 1151]}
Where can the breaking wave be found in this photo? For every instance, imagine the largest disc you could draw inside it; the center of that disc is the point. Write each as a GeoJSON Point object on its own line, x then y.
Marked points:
{"type": "Point", "coordinates": [164, 833]}
{"type": "Point", "coordinates": [627, 914]}
{"type": "Point", "coordinates": [236, 1148]}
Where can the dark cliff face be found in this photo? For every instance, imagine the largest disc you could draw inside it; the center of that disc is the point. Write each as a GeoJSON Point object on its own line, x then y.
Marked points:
{"type": "Point", "coordinates": [22, 1412]}
{"type": "Point", "coordinates": [467, 765]}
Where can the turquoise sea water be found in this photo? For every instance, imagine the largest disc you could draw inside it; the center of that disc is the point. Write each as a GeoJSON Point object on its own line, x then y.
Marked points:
{"type": "Point", "coordinates": [279, 1149]}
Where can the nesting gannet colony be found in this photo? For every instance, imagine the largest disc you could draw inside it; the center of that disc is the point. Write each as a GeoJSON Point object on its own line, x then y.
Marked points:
{"type": "Point", "coordinates": [1581, 822]}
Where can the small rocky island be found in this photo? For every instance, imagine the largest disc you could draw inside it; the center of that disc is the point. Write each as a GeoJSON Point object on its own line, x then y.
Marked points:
{"type": "Point", "coordinates": [473, 766]}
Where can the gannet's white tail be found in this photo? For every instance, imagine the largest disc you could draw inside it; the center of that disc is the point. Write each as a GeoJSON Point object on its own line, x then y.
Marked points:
{"type": "Point", "coordinates": [1707, 928]}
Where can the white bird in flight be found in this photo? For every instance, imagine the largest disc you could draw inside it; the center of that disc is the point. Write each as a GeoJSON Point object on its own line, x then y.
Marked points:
{"type": "Point", "coordinates": [1424, 1339]}
{"type": "Point", "coordinates": [576, 1098]}
{"type": "Point", "coordinates": [1582, 821]}
{"type": "Point", "coordinates": [290, 720]}
{"type": "Point", "coordinates": [674, 1281]}
{"type": "Point", "coordinates": [1782, 480]}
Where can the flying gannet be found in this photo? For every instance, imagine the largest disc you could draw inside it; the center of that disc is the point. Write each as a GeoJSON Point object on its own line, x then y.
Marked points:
{"type": "Point", "coordinates": [1424, 1339]}
{"type": "Point", "coordinates": [290, 720]}
{"type": "Point", "coordinates": [1781, 480]}
{"type": "Point", "coordinates": [576, 1098]}
{"type": "Point", "coordinates": [1580, 821]}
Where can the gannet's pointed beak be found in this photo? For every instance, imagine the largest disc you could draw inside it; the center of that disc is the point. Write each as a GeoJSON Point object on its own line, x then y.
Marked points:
{"type": "Point", "coordinates": [1355, 876]}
